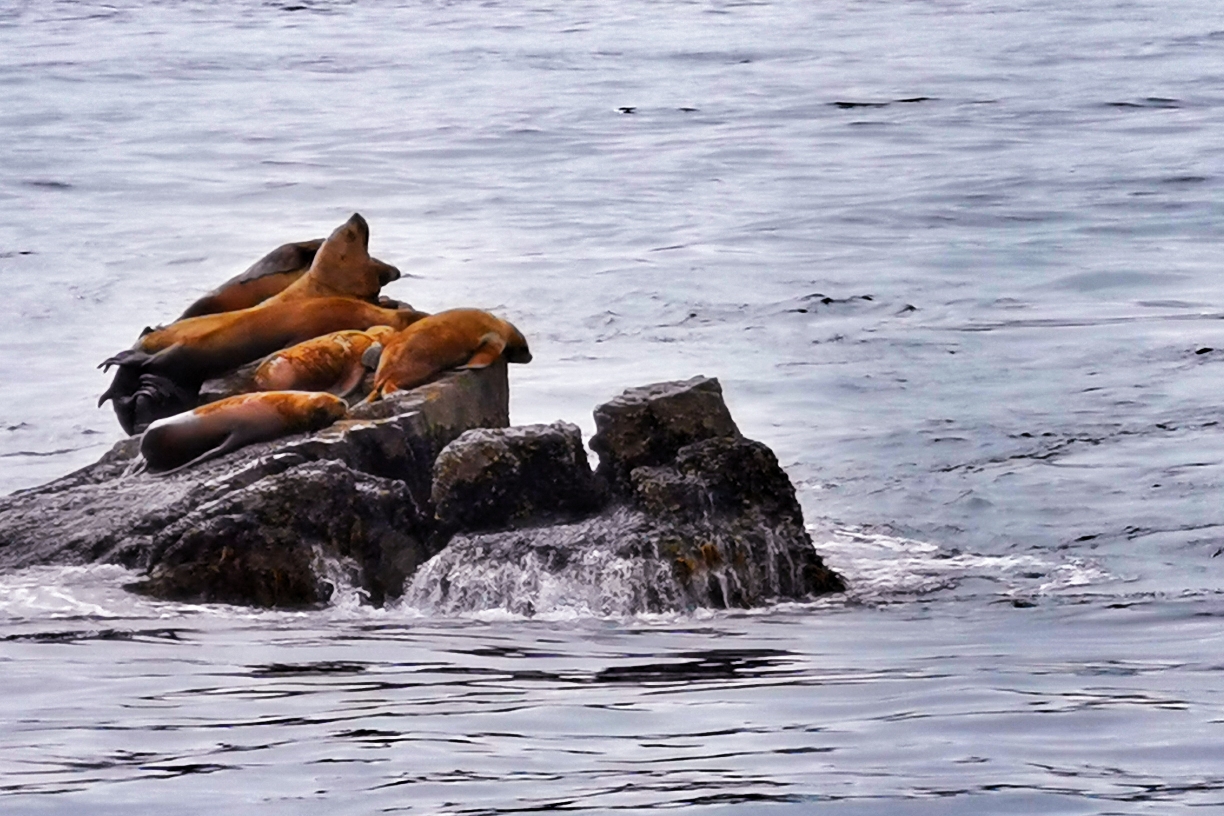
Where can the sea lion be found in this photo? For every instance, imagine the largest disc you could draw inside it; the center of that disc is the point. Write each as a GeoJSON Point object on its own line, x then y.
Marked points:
{"type": "Point", "coordinates": [212, 430]}
{"type": "Point", "coordinates": [190, 351]}
{"type": "Point", "coordinates": [346, 270]}
{"type": "Point", "coordinates": [197, 348]}
{"type": "Point", "coordinates": [342, 267]}
{"type": "Point", "coordinates": [162, 374]}
{"type": "Point", "coordinates": [332, 363]}
{"type": "Point", "coordinates": [458, 338]}
{"type": "Point", "coordinates": [266, 277]}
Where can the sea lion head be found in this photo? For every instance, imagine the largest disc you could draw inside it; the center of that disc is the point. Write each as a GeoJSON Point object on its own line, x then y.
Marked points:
{"type": "Point", "coordinates": [348, 243]}
{"type": "Point", "coordinates": [354, 228]}
{"type": "Point", "coordinates": [516, 350]}
{"type": "Point", "coordinates": [342, 264]}
{"type": "Point", "coordinates": [323, 409]}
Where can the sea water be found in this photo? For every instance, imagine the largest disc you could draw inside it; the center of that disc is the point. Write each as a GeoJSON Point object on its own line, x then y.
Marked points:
{"type": "Point", "coordinates": [955, 262]}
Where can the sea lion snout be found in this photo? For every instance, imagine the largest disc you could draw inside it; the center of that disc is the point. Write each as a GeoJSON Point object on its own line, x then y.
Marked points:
{"type": "Point", "coordinates": [516, 350]}
{"type": "Point", "coordinates": [325, 413]}
{"type": "Point", "coordinates": [517, 355]}
{"type": "Point", "coordinates": [386, 272]}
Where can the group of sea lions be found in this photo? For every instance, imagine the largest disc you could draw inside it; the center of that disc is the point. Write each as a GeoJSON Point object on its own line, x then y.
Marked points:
{"type": "Point", "coordinates": [312, 312]}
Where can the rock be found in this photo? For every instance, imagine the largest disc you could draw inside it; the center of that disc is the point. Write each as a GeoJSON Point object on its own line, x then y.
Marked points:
{"type": "Point", "coordinates": [722, 475]}
{"type": "Point", "coordinates": [266, 543]}
{"type": "Point", "coordinates": [239, 381]}
{"type": "Point", "coordinates": [429, 488]}
{"type": "Point", "coordinates": [111, 512]}
{"type": "Point", "coordinates": [603, 565]}
{"type": "Point", "coordinates": [491, 478]}
{"type": "Point", "coordinates": [712, 523]}
{"type": "Point", "coordinates": [648, 425]}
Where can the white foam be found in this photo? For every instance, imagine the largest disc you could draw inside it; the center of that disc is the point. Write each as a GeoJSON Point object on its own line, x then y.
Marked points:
{"type": "Point", "coordinates": [880, 568]}
{"type": "Point", "coordinates": [94, 591]}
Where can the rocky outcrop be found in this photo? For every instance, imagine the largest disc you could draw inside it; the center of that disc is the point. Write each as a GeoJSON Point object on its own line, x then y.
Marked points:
{"type": "Point", "coordinates": [273, 542]}
{"type": "Point", "coordinates": [693, 515]}
{"type": "Point", "coordinates": [534, 474]}
{"type": "Point", "coordinates": [429, 494]}
{"type": "Point", "coordinates": [251, 526]}
{"type": "Point", "coordinates": [649, 424]}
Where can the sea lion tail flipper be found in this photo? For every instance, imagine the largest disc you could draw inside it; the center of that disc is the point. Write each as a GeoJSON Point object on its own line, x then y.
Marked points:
{"type": "Point", "coordinates": [135, 467]}
{"type": "Point", "coordinates": [371, 356]}
{"type": "Point", "coordinates": [491, 346]}
{"type": "Point", "coordinates": [127, 357]}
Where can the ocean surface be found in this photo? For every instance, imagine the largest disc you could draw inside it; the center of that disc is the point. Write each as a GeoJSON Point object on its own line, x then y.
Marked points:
{"type": "Point", "coordinates": [957, 263]}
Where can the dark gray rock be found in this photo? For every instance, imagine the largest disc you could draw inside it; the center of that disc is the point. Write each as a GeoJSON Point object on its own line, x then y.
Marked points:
{"type": "Point", "coordinates": [624, 561]}
{"type": "Point", "coordinates": [112, 512]}
{"type": "Point", "coordinates": [708, 523]}
{"type": "Point", "coordinates": [723, 475]}
{"type": "Point", "coordinates": [646, 426]}
{"type": "Point", "coordinates": [496, 517]}
{"type": "Point", "coordinates": [270, 543]}
{"type": "Point", "coordinates": [491, 478]}
{"type": "Point", "coordinates": [239, 381]}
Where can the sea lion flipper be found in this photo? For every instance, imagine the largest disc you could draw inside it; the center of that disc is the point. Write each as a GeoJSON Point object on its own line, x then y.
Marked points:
{"type": "Point", "coordinates": [285, 258]}
{"type": "Point", "coordinates": [371, 356]}
{"type": "Point", "coordinates": [127, 357]}
{"type": "Point", "coordinates": [351, 381]}
{"type": "Point", "coordinates": [490, 348]}
{"type": "Point", "coordinates": [231, 443]}
{"type": "Point", "coordinates": [380, 391]}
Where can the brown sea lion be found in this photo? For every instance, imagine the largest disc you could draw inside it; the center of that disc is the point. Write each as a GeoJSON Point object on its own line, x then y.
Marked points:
{"type": "Point", "coordinates": [267, 277]}
{"type": "Point", "coordinates": [342, 267]}
{"type": "Point", "coordinates": [459, 338]}
{"type": "Point", "coordinates": [332, 362]}
{"type": "Point", "coordinates": [197, 348]}
{"type": "Point", "coordinates": [343, 272]}
{"type": "Point", "coordinates": [212, 430]}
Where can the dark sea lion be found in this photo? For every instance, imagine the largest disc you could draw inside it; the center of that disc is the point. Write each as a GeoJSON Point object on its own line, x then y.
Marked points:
{"type": "Point", "coordinates": [212, 430]}
{"type": "Point", "coordinates": [267, 277]}
{"type": "Point", "coordinates": [458, 338]}
{"type": "Point", "coordinates": [332, 363]}
{"type": "Point", "coordinates": [141, 398]}
{"type": "Point", "coordinates": [342, 267]}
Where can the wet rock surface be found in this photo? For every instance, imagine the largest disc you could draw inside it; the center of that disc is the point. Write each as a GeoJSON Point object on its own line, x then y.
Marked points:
{"type": "Point", "coordinates": [693, 515]}
{"type": "Point", "coordinates": [649, 424]}
{"type": "Point", "coordinates": [491, 478]}
{"type": "Point", "coordinates": [430, 495]}
{"type": "Point", "coordinates": [266, 543]}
